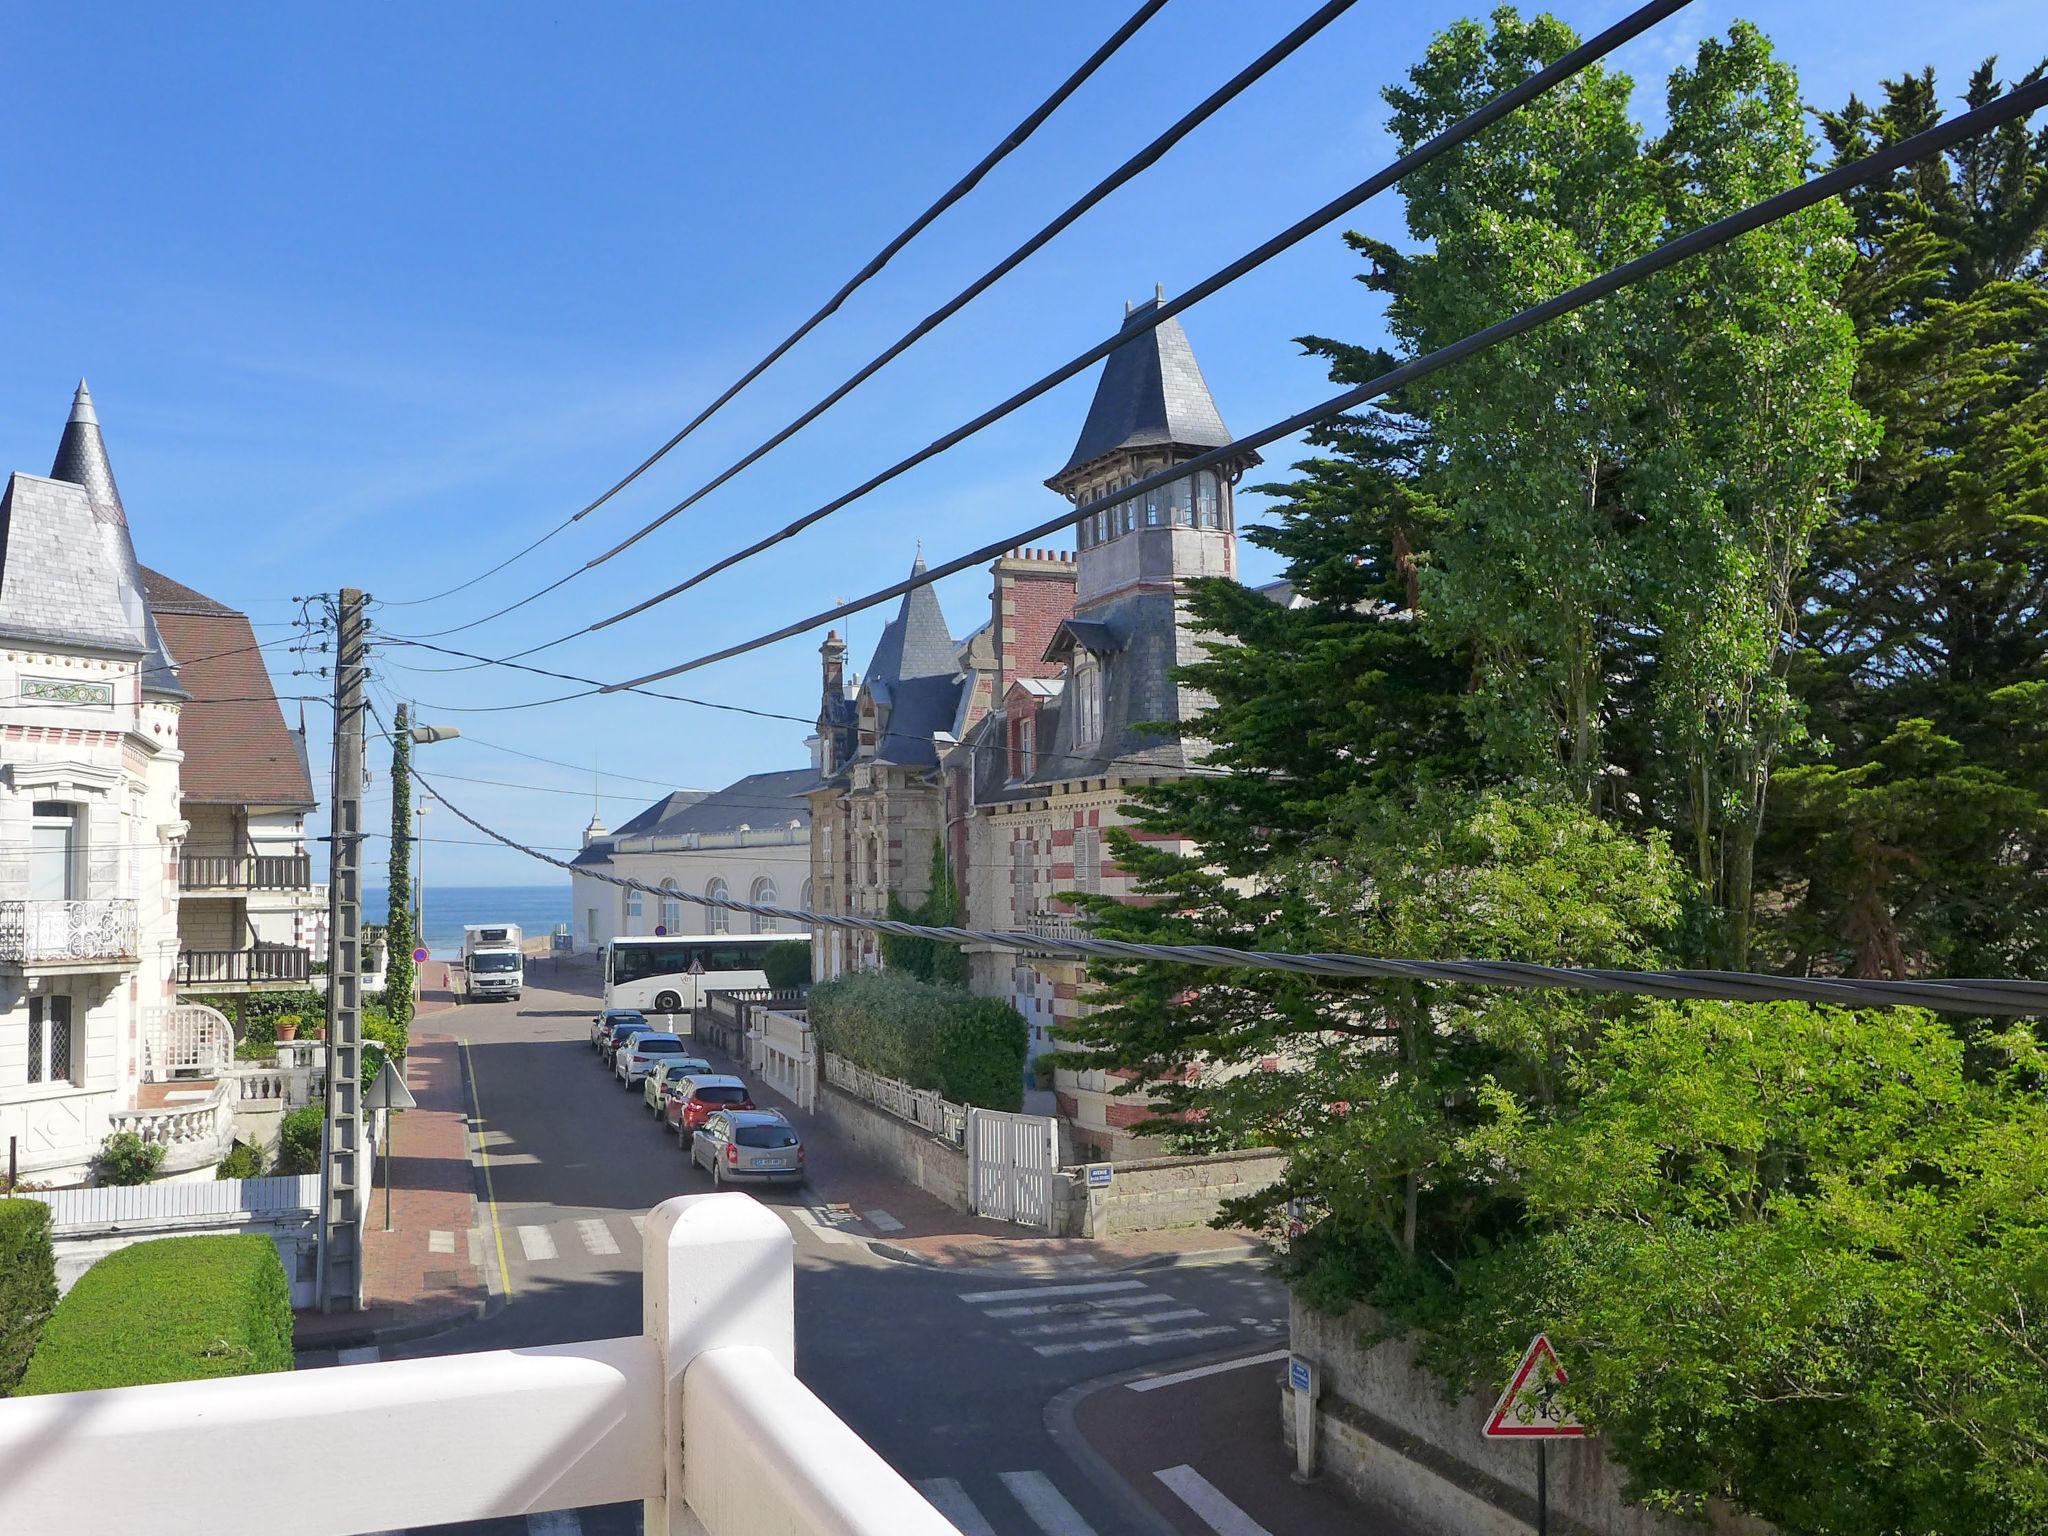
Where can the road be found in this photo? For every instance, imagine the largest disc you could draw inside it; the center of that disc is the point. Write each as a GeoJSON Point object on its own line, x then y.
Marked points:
{"type": "Point", "coordinates": [947, 1375]}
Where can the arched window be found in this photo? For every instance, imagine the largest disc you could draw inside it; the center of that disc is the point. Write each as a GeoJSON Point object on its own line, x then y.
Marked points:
{"type": "Point", "coordinates": [1180, 494]}
{"type": "Point", "coordinates": [805, 900]}
{"type": "Point", "coordinates": [671, 908]}
{"type": "Point", "coordinates": [764, 895]}
{"type": "Point", "coordinates": [1208, 512]}
{"type": "Point", "coordinates": [632, 910]}
{"type": "Point", "coordinates": [720, 917]}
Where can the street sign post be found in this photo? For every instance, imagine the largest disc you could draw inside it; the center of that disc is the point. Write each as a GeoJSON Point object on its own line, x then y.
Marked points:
{"type": "Point", "coordinates": [387, 1093]}
{"type": "Point", "coordinates": [1534, 1407]}
{"type": "Point", "coordinates": [1306, 1383]}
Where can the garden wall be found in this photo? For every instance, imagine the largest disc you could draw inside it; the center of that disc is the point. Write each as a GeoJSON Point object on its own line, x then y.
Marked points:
{"type": "Point", "coordinates": [1155, 1194]}
{"type": "Point", "coordinates": [1387, 1433]}
{"type": "Point", "coordinates": [937, 1167]}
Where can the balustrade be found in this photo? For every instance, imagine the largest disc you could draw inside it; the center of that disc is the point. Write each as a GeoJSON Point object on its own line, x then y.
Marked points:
{"type": "Point", "coordinates": [245, 872]}
{"type": "Point", "coordinates": [235, 967]}
{"type": "Point", "coordinates": [55, 932]}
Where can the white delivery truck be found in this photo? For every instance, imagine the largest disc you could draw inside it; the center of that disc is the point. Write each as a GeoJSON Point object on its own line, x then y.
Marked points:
{"type": "Point", "coordinates": [493, 963]}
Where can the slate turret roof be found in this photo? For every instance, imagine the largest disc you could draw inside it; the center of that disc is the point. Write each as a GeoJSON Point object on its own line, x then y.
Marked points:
{"type": "Point", "coordinates": [1151, 395]}
{"type": "Point", "coordinates": [916, 642]}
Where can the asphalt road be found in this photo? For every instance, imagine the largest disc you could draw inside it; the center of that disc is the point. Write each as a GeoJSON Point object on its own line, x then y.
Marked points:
{"type": "Point", "coordinates": [947, 1375]}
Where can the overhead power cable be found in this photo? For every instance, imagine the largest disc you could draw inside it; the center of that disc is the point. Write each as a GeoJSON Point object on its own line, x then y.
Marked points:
{"type": "Point", "coordinates": [1011, 141]}
{"type": "Point", "coordinates": [1328, 12]}
{"type": "Point", "coordinates": [1591, 51]}
{"type": "Point", "coordinates": [1921, 146]}
{"type": "Point", "coordinates": [2009, 999]}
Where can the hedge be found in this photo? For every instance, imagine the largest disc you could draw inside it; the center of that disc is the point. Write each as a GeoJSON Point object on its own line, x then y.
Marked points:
{"type": "Point", "coordinates": [298, 1140]}
{"type": "Point", "coordinates": [971, 1049]}
{"type": "Point", "coordinates": [28, 1284]}
{"type": "Point", "coordinates": [172, 1309]}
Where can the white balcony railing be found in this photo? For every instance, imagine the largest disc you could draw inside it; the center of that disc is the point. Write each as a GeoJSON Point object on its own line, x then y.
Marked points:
{"type": "Point", "coordinates": [60, 932]}
{"type": "Point", "coordinates": [700, 1415]}
{"type": "Point", "coordinates": [195, 1135]}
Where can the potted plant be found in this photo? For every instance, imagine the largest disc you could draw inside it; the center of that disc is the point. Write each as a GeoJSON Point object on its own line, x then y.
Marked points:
{"type": "Point", "coordinates": [288, 1025]}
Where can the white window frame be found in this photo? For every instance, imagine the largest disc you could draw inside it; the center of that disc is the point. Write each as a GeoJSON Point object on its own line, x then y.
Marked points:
{"type": "Point", "coordinates": [718, 919]}
{"type": "Point", "coordinates": [42, 1059]}
{"type": "Point", "coordinates": [763, 895]}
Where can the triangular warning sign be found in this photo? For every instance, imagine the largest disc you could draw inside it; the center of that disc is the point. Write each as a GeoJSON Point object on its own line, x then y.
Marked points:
{"type": "Point", "coordinates": [1534, 1406]}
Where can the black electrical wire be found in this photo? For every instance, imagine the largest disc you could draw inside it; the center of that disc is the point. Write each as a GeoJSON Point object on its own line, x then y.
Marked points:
{"type": "Point", "coordinates": [1328, 12]}
{"type": "Point", "coordinates": [1591, 51]}
{"type": "Point", "coordinates": [1921, 146]}
{"type": "Point", "coordinates": [1010, 142]}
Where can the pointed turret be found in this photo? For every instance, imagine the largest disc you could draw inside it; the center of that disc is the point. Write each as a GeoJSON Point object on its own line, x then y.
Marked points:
{"type": "Point", "coordinates": [82, 459]}
{"type": "Point", "coordinates": [916, 642]}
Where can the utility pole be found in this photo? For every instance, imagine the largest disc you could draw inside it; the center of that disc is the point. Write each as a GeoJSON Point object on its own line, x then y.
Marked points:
{"type": "Point", "coordinates": [341, 1189]}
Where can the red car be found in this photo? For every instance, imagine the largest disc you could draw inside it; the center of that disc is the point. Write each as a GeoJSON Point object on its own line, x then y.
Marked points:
{"type": "Point", "coordinates": [699, 1096]}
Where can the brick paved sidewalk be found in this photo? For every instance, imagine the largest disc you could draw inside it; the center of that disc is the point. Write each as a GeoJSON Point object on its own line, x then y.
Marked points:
{"type": "Point", "coordinates": [421, 1275]}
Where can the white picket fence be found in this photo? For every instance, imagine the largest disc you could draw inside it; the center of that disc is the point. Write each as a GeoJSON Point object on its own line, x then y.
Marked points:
{"type": "Point", "coordinates": [73, 1210]}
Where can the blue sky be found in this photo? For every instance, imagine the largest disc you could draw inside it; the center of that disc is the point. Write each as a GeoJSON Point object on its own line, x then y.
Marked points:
{"type": "Point", "coordinates": [374, 294]}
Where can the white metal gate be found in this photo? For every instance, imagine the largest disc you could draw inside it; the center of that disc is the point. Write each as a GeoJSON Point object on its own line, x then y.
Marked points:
{"type": "Point", "coordinates": [1010, 1164]}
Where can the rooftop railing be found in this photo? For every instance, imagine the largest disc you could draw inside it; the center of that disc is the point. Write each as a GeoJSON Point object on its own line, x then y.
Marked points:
{"type": "Point", "coordinates": [700, 1416]}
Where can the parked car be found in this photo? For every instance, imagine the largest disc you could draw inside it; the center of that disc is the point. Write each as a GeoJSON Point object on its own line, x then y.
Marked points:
{"type": "Point", "coordinates": [743, 1145]}
{"type": "Point", "coordinates": [636, 1057]}
{"type": "Point", "coordinates": [667, 1076]}
{"type": "Point", "coordinates": [601, 1026]}
{"type": "Point", "coordinates": [619, 1034]}
{"type": "Point", "coordinates": [700, 1096]}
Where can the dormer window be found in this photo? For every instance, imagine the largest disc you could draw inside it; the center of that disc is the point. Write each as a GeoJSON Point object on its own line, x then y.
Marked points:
{"type": "Point", "coordinates": [1208, 503]}
{"type": "Point", "coordinates": [1179, 493]}
{"type": "Point", "coordinates": [1086, 691]}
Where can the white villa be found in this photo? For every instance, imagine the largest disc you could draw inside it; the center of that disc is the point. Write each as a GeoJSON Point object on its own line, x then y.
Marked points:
{"type": "Point", "coordinates": [96, 722]}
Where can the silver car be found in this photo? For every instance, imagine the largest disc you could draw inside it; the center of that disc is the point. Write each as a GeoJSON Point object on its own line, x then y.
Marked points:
{"type": "Point", "coordinates": [744, 1146]}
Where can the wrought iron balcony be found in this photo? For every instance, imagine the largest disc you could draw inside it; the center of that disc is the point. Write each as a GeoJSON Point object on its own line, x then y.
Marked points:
{"type": "Point", "coordinates": [245, 872]}
{"type": "Point", "coordinates": [67, 932]}
{"type": "Point", "coordinates": [243, 967]}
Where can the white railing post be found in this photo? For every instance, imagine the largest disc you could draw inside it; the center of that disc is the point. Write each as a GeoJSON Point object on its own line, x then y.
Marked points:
{"type": "Point", "coordinates": [721, 1270]}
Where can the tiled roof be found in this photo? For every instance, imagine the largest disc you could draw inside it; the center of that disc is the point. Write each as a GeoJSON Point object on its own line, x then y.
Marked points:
{"type": "Point", "coordinates": [916, 642]}
{"type": "Point", "coordinates": [918, 708]}
{"type": "Point", "coordinates": [82, 459]}
{"type": "Point", "coordinates": [238, 749]}
{"type": "Point", "coordinates": [760, 801]}
{"type": "Point", "coordinates": [1151, 395]}
{"type": "Point", "coordinates": [65, 576]}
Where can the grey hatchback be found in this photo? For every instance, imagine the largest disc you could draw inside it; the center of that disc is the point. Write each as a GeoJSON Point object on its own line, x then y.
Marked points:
{"type": "Point", "coordinates": [743, 1145]}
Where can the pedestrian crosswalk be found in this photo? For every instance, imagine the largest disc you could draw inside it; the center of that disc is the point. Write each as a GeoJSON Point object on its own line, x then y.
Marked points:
{"type": "Point", "coordinates": [1090, 1317]}
{"type": "Point", "coordinates": [573, 1239]}
{"type": "Point", "coordinates": [1048, 1510]}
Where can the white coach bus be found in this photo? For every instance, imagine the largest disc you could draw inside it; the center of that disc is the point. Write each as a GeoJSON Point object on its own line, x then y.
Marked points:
{"type": "Point", "coordinates": [671, 975]}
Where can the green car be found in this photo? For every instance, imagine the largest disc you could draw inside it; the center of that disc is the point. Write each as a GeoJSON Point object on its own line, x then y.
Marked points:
{"type": "Point", "coordinates": [666, 1070]}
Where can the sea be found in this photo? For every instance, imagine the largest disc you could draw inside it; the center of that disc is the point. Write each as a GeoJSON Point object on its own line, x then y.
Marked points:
{"type": "Point", "coordinates": [537, 909]}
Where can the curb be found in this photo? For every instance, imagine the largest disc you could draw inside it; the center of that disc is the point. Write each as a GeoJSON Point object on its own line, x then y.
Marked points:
{"type": "Point", "coordinates": [403, 1333]}
{"type": "Point", "coordinates": [1241, 1253]}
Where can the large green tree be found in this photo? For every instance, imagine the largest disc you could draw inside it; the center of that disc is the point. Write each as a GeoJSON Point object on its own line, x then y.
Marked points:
{"type": "Point", "coordinates": [1915, 833]}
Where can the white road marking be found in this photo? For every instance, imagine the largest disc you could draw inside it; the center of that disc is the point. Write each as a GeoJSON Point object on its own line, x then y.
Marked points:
{"type": "Point", "coordinates": [1208, 1501]}
{"type": "Point", "coordinates": [367, 1355]}
{"type": "Point", "coordinates": [597, 1237]}
{"type": "Point", "coordinates": [1099, 1303]}
{"type": "Point", "coordinates": [1034, 1292]}
{"type": "Point", "coordinates": [882, 1221]}
{"type": "Point", "coordinates": [824, 1233]}
{"type": "Point", "coordinates": [476, 1249]}
{"type": "Point", "coordinates": [537, 1243]}
{"type": "Point", "coordinates": [1164, 1336]}
{"type": "Point", "coordinates": [561, 1522]}
{"type": "Point", "coordinates": [1097, 1324]}
{"type": "Point", "coordinates": [1046, 1505]}
{"type": "Point", "coordinates": [951, 1500]}
{"type": "Point", "coordinates": [1196, 1373]}
{"type": "Point", "coordinates": [440, 1242]}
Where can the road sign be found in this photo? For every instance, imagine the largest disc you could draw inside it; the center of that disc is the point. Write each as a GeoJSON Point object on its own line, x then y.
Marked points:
{"type": "Point", "coordinates": [1534, 1406]}
{"type": "Point", "coordinates": [389, 1090]}
{"type": "Point", "coordinates": [661, 930]}
{"type": "Point", "coordinates": [419, 956]}
{"type": "Point", "coordinates": [1298, 1373]}
{"type": "Point", "coordinates": [1099, 1175]}
{"type": "Point", "coordinates": [696, 967]}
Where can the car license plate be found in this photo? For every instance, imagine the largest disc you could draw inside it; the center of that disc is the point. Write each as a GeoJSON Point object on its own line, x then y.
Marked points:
{"type": "Point", "coordinates": [771, 1162]}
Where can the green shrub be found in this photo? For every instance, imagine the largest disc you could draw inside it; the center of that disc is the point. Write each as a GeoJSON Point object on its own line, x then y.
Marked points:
{"type": "Point", "coordinates": [125, 1158]}
{"type": "Point", "coordinates": [971, 1049]}
{"type": "Point", "coordinates": [243, 1161]}
{"type": "Point", "coordinates": [256, 1014]}
{"type": "Point", "coordinates": [28, 1284]}
{"type": "Point", "coordinates": [298, 1140]}
{"type": "Point", "coordinates": [175, 1309]}
{"type": "Point", "coordinates": [787, 965]}
{"type": "Point", "coordinates": [378, 1025]}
